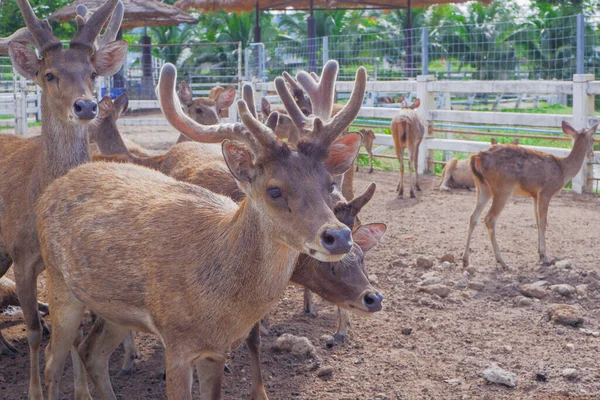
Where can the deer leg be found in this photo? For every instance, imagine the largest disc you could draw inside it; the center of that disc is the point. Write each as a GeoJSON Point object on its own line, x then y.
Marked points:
{"type": "Point", "coordinates": [210, 375]}
{"type": "Point", "coordinates": [400, 155]}
{"type": "Point", "coordinates": [411, 159]}
{"type": "Point", "coordinates": [343, 325]}
{"type": "Point", "coordinates": [498, 203]}
{"type": "Point", "coordinates": [258, 384]}
{"type": "Point", "coordinates": [308, 303]}
{"type": "Point", "coordinates": [542, 211]}
{"type": "Point", "coordinates": [180, 375]}
{"type": "Point", "coordinates": [483, 196]}
{"type": "Point", "coordinates": [416, 160]}
{"type": "Point", "coordinates": [370, 160]}
{"type": "Point", "coordinates": [130, 354]}
{"type": "Point", "coordinates": [96, 349]}
{"type": "Point", "coordinates": [80, 385]}
{"type": "Point", "coordinates": [26, 280]}
{"type": "Point", "coordinates": [66, 319]}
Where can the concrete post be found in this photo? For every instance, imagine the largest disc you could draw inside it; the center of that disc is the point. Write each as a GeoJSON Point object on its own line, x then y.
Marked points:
{"type": "Point", "coordinates": [427, 104]}
{"type": "Point", "coordinates": [583, 108]}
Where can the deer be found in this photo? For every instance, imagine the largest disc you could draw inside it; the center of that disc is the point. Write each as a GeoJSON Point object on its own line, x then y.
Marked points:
{"type": "Point", "coordinates": [408, 129]}
{"type": "Point", "coordinates": [457, 173]}
{"type": "Point", "coordinates": [368, 138]}
{"type": "Point", "coordinates": [503, 170]}
{"type": "Point", "coordinates": [205, 110]}
{"type": "Point", "coordinates": [8, 298]}
{"type": "Point", "coordinates": [239, 256]}
{"type": "Point", "coordinates": [28, 166]}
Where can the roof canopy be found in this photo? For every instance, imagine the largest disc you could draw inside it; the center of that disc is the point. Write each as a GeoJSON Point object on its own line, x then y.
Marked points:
{"type": "Point", "coordinates": [137, 13]}
{"type": "Point", "coordinates": [248, 5]}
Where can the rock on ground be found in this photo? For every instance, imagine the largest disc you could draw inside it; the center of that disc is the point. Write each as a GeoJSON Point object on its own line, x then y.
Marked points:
{"type": "Point", "coordinates": [325, 372]}
{"type": "Point", "coordinates": [438, 289]}
{"type": "Point", "coordinates": [536, 289]}
{"type": "Point", "coordinates": [299, 346]}
{"type": "Point", "coordinates": [448, 257]}
{"type": "Point", "coordinates": [570, 373]}
{"type": "Point", "coordinates": [495, 374]}
{"type": "Point", "coordinates": [564, 264]}
{"type": "Point", "coordinates": [522, 301]}
{"type": "Point", "coordinates": [565, 314]}
{"type": "Point", "coordinates": [563, 289]}
{"type": "Point", "coordinates": [424, 262]}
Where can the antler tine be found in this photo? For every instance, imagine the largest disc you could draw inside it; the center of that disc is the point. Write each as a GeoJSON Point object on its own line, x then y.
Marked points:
{"type": "Point", "coordinates": [322, 91]}
{"type": "Point", "coordinates": [40, 30]}
{"type": "Point", "coordinates": [110, 34]}
{"type": "Point", "coordinates": [171, 108]}
{"type": "Point", "coordinates": [296, 115]}
{"type": "Point", "coordinates": [22, 36]}
{"type": "Point", "coordinates": [327, 133]}
{"type": "Point", "coordinates": [291, 81]}
{"type": "Point", "coordinates": [262, 133]}
{"type": "Point", "coordinates": [248, 97]}
{"type": "Point", "coordinates": [87, 31]}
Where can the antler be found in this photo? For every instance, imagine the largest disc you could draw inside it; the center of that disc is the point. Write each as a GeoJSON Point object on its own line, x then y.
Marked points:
{"type": "Point", "coordinates": [22, 36]}
{"type": "Point", "coordinates": [110, 34]}
{"type": "Point", "coordinates": [321, 91]}
{"type": "Point", "coordinates": [248, 97]}
{"type": "Point", "coordinates": [171, 108]}
{"type": "Point", "coordinates": [40, 30]}
{"type": "Point", "coordinates": [88, 30]}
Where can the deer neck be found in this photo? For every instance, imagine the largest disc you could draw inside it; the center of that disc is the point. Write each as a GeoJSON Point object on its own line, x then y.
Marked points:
{"type": "Point", "coordinates": [571, 164]}
{"type": "Point", "coordinates": [106, 135]}
{"type": "Point", "coordinates": [64, 145]}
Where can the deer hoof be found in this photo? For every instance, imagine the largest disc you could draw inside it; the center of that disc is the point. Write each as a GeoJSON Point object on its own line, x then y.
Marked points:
{"type": "Point", "coordinates": [371, 171]}
{"type": "Point", "coordinates": [226, 369]}
{"type": "Point", "coordinates": [339, 338]}
{"type": "Point", "coordinates": [45, 328]}
{"type": "Point", "coordinates": [418, 188]}
{"type": "Point", "coordinates": [125, 372]}
{"type": "Point", "coordinates": [162, 376]}
{"type": "Point", "coordinates": [310, 311]}
{"type": "Point", "coordinates": [412, 195]}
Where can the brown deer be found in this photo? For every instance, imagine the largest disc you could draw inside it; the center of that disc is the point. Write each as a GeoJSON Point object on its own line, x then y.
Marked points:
{"type": "Point", "coordinates": [457, 173]}
{"type": "Point", "coordinates": [205, 110]}
{"type": "Point", "coordinates": [408, 129]}
{"type": "Point", "coordinates": [8, 297]}
{"type": "Point", "coordinates": [236, 261]}
{"type": "Point", "coordinates": [368, 138]}
{"type": "Point", "coordinates": [66, 77]}
{"type": "Point", "coordinates": [503, 170]}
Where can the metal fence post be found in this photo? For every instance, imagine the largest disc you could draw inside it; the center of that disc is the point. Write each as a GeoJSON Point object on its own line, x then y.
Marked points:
{"type": "Point", "coordinates": [239, 65]}
{"type": "Point", "coordinates": [325, 49]}
{"type": "Point", "coordinates": [580, 44]}
{"type": "Point", "coordinates": [583, 107]}
{"type": "Point", "coordinates": [427, 103]}
{"type": "Point", "coordinates": [425, 51]}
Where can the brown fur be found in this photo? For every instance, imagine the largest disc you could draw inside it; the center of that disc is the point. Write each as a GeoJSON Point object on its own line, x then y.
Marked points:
{"type": "Point", "coordinates": [368, 138]}
{"type": "Point", "coordinates": [239, 257]}
{"type": "Point", "coordinates": [27, 166]}
{"type": "Point", "coordinates": [505, 169]}
{"type": "Point", "coordinates": [408, 129]}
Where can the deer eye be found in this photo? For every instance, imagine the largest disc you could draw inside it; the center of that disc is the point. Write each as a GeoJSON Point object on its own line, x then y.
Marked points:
{"type": "Point", "coordinates": [198, 111]}
{"type": "Point", "coordinates": [94, 75]}
{"type": "Point", "coordinates": [332, 187]}
{"type": "Point", "coordinates": [274, 192]}
{"type": "Point", "coordinates": [49, 76]}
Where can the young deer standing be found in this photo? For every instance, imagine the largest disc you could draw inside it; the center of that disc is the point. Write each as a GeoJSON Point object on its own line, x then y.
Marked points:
{"type": "Point", "coordinates": [504, 170]}
{"type": "Point", "coordinates": [236, 261]}
{"type": "Point", "coordinates": [27, 166]}
{"type": "Point", "coordinates": [204, 110]}
{"type": "Point", "coordinates": [368, 138]}
{"type": "Point", "coordinates": [408, 129]}
{"type": "Point", "coordinates": [457, 173]}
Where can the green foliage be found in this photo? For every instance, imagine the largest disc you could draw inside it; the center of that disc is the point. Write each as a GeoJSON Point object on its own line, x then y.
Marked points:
{"type": "Point", "coordinates": [11, 18]}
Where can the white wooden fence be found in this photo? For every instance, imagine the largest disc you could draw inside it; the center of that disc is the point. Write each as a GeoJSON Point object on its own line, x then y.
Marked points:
{"type": "Point", "coordinates": [583, 88]}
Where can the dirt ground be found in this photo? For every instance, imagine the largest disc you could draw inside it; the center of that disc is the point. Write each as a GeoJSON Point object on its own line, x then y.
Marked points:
{"type": "Point", "coordinates": [455, 338]}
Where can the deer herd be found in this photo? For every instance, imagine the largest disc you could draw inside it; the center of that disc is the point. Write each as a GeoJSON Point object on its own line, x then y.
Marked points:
{"type": "Point", "coordinates": [225, 218]}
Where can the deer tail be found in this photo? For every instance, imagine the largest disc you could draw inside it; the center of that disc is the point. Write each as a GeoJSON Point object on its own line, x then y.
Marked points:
{"type": "Point", "coordinates": [475, 163]}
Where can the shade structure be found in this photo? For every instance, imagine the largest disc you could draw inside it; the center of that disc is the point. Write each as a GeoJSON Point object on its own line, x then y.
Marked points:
{"type": "Point", "coordinates": [137, 13]}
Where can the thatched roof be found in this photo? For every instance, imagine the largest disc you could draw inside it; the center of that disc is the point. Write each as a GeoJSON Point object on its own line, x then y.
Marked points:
{"type": "Point", "coordinates": [248, 5]}
{"type": "Point", "coordinates": [137, 13]}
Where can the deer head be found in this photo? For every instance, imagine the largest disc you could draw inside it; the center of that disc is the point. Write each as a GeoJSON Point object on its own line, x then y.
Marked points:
{"type": "Point", "coordinates": [67, 76]}
{"type": "Point", "coordinates": [345, 283]}
{"type": "Point", "coordinates": [205, 110]}
{"type": "Point", "coordinates": [103, 130]}
{"type": "Point", "coordinates": [284, 185]}
{"type": "Point", "coordinates": [583, 136]}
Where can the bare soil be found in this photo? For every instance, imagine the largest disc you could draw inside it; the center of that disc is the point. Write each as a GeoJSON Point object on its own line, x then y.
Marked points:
{"type": "Point", "coordinates": [455, 338]}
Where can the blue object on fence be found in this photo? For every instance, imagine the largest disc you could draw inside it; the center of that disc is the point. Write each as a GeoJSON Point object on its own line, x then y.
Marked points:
{"type": "Point", "coordinates": [114, 92]}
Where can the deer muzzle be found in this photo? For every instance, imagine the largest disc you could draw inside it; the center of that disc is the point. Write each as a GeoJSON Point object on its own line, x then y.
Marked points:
{"type": "Point", "coordinates": [85, 109]}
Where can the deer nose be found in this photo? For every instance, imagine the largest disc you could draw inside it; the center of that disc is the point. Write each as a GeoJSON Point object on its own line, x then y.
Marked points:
{"type": "Point", "coordinates": [337, 241]}
{"type": "Point", "coordinates": [85, 109]}
{"type": "Point", "coordinates": [373, 301]}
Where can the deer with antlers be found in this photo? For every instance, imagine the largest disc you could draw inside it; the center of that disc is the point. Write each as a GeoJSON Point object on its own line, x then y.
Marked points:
{"type": "Point", "coordinates": [28, 166]}
{"type": "Point", "coordinates": [503, 170]}
{"type": "Point", "coordinates": [457, 173]}
{"type": "Point", "coordinates": [408, 129]}
{"type": "Point", "coordinates": [239, 257]}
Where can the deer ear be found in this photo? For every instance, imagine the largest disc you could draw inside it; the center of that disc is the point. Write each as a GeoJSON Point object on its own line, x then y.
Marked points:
{"type": "Point", "coordinates": [121, 103]}
{"type": "Point", "coordinates": [105, 106]}
{"type": "Point", "coordinates": [265, 107]}
{"type": "Point", "coordinates": [515, 142]}
{"type": "Point", "coordinates": [416, 104]}
{"type": "Point", "coordinates": [493, 142]}
{"type": "Point", "coordinates": [24, 59]}
{"type": "Point", "coordinates": [367, 236]}
{"type": "Point", "coordinates": [238, 160]}
{"type": "Point", "coordinates": [109, 59]}
{"type": "Point", "coordinates": [185, 94]}
{"type": "Point", "coordinates": [225, 99]}
{"type": "Point", "coordinates": [342, 153]}
{"type": "Point", "coordinates": [568, 129]}
{"type": "Point", "coordinates": [593, 129]}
